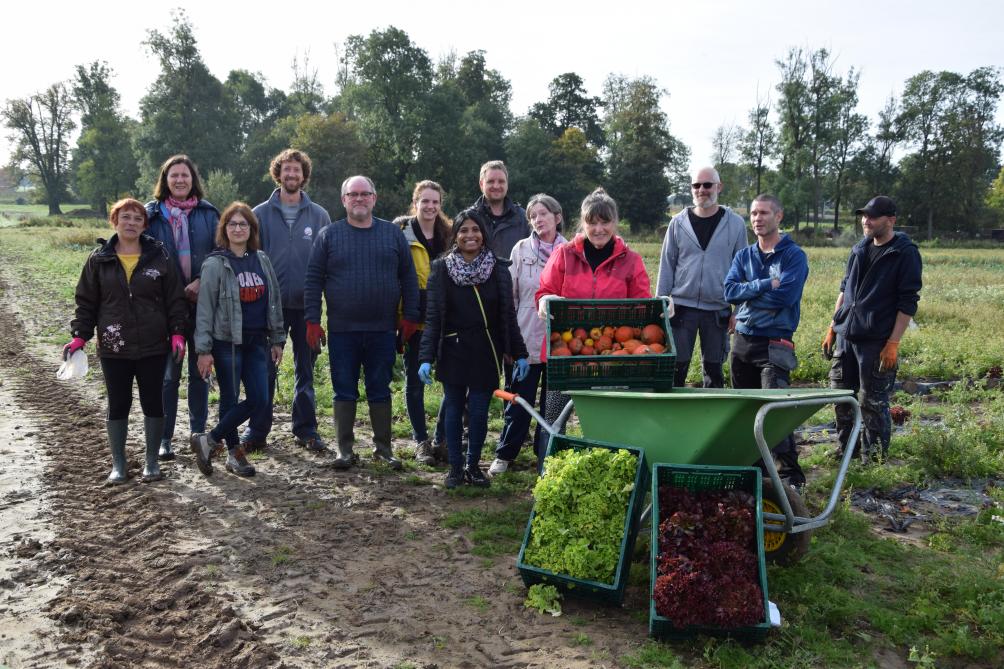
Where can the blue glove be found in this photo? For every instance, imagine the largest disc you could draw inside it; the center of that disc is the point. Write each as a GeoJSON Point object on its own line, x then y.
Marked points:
{"type": "Point", "coordinates": [520, 370]}
{"type": "Point", "coordinates": [425, 373]}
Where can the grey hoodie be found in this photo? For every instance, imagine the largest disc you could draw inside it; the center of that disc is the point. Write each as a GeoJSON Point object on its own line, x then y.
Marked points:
{"type": "Point", "coordinates": [695, 277]}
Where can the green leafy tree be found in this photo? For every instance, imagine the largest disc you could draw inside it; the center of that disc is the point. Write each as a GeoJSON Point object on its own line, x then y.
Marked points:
{"type": "Point", "coordinates": [645, 161]}
{"type": "Point", "coordinates": [335, 141]}
{"type": "Point", "coordinates": [259, 109]}
{"type": "Point", "coordinates": [103, 166]}
{"type": "Point", "coordinates": [995, 196]}
{"type": "Point", "coordinates": [41, 125]}
{"type": "Point", "coordinates": [568, 106]}
{"type": "Point", "coordinates": [795, 124]}
{"type": "Point", "coordinates": [758, 145]}
{"type": "Point", "coordinates": [221, 188]}
{"type": "Point", "coordinates": [848, 129]}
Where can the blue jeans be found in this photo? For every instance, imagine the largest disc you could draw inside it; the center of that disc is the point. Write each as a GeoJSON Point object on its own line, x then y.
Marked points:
{"type": "Point", "coordinates": [247, 363]}
{"type": "Point", "coordinates": [414, 389]}
{"type": "Point", "coordinates": [375, 352]}
{"type": "Point", "coordinates": [516, 424]}
{"type": "Point", "coordinates": [304, 403]}
{"type": "Point", "coordinates": [454, 399]}
{"type": "Point", "coordinates": [198, 394]}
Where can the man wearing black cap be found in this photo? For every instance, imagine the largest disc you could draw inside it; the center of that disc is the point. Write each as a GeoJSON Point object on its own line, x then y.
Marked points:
{"type": "Point", "coordinates": [878, 297]}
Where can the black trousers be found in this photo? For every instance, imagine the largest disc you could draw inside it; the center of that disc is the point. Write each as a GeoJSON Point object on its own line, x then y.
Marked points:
{"type": "Point", "coordinates": [149, 374]}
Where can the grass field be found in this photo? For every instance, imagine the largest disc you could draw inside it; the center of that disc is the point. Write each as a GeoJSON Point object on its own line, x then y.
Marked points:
{"type": "Point", "coordinates": [859, 599]}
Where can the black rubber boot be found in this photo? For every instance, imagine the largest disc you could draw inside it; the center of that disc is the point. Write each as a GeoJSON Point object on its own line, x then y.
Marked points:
{"type": "Point", "coordinates": [381, 416]}
{"type": "Point", "coordinates": [166, 451]}
{"type": "Point", "coordinates": [345, 419]}
{"type": "Point", "coordinates": [117, 432]}
{"type": "Point", "coordinates": [153, 427]}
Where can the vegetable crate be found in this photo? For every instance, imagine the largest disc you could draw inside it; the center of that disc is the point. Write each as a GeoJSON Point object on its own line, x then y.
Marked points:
{"type": "Point", "coordinates": [697, 478]}
{"type": "Point", "coordinates": [611, 372]}
{"type": "Point", "coordinates": [607, 593]}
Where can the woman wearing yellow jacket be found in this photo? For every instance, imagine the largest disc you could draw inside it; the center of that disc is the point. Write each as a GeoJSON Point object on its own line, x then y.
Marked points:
{"type": "Point", "coordinates": [429, 234]}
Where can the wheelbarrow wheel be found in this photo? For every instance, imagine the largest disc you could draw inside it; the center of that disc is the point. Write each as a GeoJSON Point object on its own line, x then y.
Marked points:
{"type": "Point", "coordinates": [782, 547]}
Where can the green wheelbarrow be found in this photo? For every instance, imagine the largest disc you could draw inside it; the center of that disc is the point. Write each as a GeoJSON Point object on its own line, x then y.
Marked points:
{"type": "Point", "coordinates": [711, 426]}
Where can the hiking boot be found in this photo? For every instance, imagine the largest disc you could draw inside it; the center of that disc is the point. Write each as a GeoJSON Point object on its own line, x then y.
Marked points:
{"type": "Point", "coordinates": [117, 431]}
{"type": "Point", "coordinates": [380, 419]}
{"type": "Point", "coordinates": [314, 444]}
{"type": "Point", "coordinates": [166, 451]}
{"type": "Point", "coordinates": [153, 428]}
{"type": "Point", "coordinates": [424, 454]}
{"type": "Point", "coordinates": [252, 445]}
{"type": "Point", "coordinates": [440, 453]}
{"type": "Point", "coordinates": [475, 477]}
{"type": "Point", "coordinates": [499, 466]}
{"type": "Point", "coordinates": [204, 447]}
{"type": "Point", "coordinates": [238, 464]}
{"type": "Point", "coordinates": [454, 478]}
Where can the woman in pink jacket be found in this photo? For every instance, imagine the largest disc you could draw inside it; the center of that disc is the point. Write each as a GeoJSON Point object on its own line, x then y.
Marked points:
{"type": "Point", "coordinates": [597, 264]}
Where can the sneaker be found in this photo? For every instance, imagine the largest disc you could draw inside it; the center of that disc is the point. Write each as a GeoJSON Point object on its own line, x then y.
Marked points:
{"type": "Point", "coordinates": [315, 444]}
{"type": "Point", "coordinates": [475, 477]}
{"type": "Point", "coordinates": [454, 478]}
{"type": "Point", "coordinates": [424, 453]}
{"type": "Point", "coordinates": [252, 445]}
{"type": "Point", "coordinates": [499, 466]}
{"type": "Point", "coordinates": [204, 447]}
{"type": "Point", "coordinates": [238, 464]}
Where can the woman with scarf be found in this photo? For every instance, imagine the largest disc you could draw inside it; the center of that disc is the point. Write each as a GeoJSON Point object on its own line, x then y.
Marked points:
{"type": "Point", "coordinates": [240, 330]}
{"type": "Point", "coordinates": [528, 259]}
{"type": "Point", "coordinates": [470, 326]}
{"type": "Point", "coordinates": [186, 225]}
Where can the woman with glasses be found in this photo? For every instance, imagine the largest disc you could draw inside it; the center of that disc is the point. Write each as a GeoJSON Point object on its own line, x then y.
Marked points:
{"type": "Point", "coordinates": [238, 330]}
{"type": "Point", "coordinates": [470, 325]}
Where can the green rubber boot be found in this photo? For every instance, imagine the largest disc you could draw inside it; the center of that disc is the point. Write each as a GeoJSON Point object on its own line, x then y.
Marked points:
{"type": "Point", "coordinates": [153, 426]}
{"type": "Point", "coordinates": [380, 419]}
{"type": "Point", "coordinates": [345, 418]}
{"type": "Point", "coordinates": [117, 432]}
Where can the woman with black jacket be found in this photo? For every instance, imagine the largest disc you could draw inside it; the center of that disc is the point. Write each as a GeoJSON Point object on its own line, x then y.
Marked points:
{"type": "Point", "coordinates": [470, 327]}
{"type": "Point", "coordinates": [130, 291]}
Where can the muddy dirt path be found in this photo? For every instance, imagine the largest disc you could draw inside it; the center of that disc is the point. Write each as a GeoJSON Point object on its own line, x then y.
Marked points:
{"type": "Point", "coordinates": [299, 566]}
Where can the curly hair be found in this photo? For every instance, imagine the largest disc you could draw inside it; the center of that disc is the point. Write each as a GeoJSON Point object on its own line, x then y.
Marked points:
{"type": "Point", "coordinates": [287, 155]}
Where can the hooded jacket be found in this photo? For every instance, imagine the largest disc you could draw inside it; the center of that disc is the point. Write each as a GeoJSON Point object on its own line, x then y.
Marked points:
{"type": "Point", "coordinates": [201, 232]}
{"type": "Point", "coordinates": [419, 256]}
{"type": "Point", "coordinates": [765, 311]}
{"type": "Point", "coordinates": [526, 269]}
{"type": "Point", "coordinates": [693, 276]}
{"type": "Point", "coordinates": [219, 315]}
{"type": "Point", "coordinates": [136, 319]}
{"type": "Point", "coordinates": [872, 299]}
{"type": "Point", "coordinates": [288, 246]}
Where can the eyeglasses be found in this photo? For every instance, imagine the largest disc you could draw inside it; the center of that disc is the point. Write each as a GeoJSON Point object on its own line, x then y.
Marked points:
{"type": "Point", "coordinates": [359, 196]}
{"type": "Point", "coordinates": [706, 185]}
{"type": "Point", "coordinates": [239, 225]}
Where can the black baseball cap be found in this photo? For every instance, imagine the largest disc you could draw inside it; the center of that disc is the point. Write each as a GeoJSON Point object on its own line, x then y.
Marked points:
{"type": "Point", "coordinates": [877, 206]}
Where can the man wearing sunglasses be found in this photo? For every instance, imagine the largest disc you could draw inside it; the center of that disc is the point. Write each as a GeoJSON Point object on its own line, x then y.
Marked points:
{"type": "Point", "coordinates": [696, 255]}
{"type": "Point", "coordinates": [362, 264]}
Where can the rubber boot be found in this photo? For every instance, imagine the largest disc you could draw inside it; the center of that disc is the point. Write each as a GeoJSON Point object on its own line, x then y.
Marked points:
{"type": "Point", "coordinates": [117, 432]}
{"type": "Point", "coordinates": [166, 450]}
{"type": "Point", "coordinates": [345, 419]}
{"type": "Point", "coordinates": [153, 426]}
{"type": "Point", "coordinates": [380, 419]}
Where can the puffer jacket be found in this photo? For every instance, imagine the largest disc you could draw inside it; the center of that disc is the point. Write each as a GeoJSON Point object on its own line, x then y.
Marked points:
{"type": "Point", "coordinates": [219, 314]}
{"type": "Point", "coordinates": [202, 224]}
{"type": "Point", "coordinates": [136, 319]}
{"type": "Point", "coordinates": [568, 274]}
{"type": "Point", "coordinates": [526, 268]}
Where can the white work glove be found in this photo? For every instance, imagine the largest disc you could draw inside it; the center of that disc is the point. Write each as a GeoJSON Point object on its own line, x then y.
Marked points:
{"type": "Point", "coordinates": [542, 305]}
{"type": "Point", "coordinates": [670, 307]}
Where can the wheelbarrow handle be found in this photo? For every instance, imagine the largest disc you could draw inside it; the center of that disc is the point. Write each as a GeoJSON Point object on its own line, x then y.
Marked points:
{"type": "Point", "coordinates": [505, 396]}
{"type": "Point", "coordinates": [526, 406]}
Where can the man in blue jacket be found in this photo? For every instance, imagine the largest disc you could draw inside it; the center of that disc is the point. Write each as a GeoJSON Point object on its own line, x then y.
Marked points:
{"type": "Point", "coordinates": [362, 266]}
{"type": "Point", "coordinates": [765, 282]}
{"type": "Point", "coordinates": [289, 223]}
{"type": "Point", "coordinates": [878, 297]}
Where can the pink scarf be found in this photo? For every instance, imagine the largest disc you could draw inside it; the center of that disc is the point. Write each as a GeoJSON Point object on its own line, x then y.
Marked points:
{"type": "Point", "coordinates": [179, 211]}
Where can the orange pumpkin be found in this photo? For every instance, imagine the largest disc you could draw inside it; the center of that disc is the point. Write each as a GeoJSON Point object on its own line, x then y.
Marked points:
{"type": "Point", "coordinates": [653, 334]}
{"type": "Point", "coordinates": [623, 333]}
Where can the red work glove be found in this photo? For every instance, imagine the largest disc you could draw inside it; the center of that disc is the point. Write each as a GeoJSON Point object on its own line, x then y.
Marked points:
{"type": "Point", "coordinates": [828, 340]}
{"type": "Point", "coordinates": [408, 328]}
{"type": "Point", "coordinates": [75, 345]}
{"type": "Point", "coordinates": [888, 355]}
{"type": "Point", "coordinates": [315, 337]}
{"type": "Point", "coordinates": [178, 347]}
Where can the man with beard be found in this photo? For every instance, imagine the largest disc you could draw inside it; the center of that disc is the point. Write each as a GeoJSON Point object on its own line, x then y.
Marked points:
{"type": "Point", "coordinates": [878, 297]}
{"type": "Point", "coordinates": [696, 255]}
{"type": "Point", "coordinates": [290, 222]}
{"type": "Point", "coordinates": [505, 220]}
{"type": "Point", "coordinates": [362, 265]}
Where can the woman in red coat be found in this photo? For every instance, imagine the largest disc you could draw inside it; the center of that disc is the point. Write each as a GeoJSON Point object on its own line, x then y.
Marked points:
{"type": "Point", "coordinates": [597, 264]}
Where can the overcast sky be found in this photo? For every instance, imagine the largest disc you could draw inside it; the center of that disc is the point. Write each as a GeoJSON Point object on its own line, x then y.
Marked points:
{"type": "Point", "coordinates": [713, 58]}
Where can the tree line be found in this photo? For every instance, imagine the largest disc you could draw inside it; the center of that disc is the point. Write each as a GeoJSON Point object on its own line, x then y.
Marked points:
{"type": "Point", "coordinates": [400, 117]}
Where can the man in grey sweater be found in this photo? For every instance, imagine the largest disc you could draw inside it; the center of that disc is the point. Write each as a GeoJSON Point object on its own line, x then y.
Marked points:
{"type": "Point", "coordinates": [363, 267]}
{"type": "Point", "coordinates": [696, 255]}
{"type": "Point", "coordinates": [289, 223]}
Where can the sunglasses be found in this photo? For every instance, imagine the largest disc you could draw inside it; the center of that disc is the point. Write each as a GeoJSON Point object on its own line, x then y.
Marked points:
{"type": "Point", "coordinates": [706, 185]}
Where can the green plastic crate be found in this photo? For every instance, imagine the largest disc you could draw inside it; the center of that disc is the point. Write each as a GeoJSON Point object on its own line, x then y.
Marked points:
{"type": "Point", "coordinates": [610, 372]}
{"type": "Point", "coordinates": [607, 593]}
{"type": "Point", "coordinates": [705, 477]}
